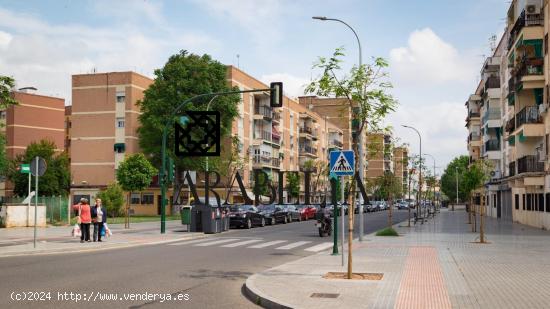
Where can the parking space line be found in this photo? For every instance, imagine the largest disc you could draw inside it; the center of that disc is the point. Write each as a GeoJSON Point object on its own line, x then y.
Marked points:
{"type": "Point", "coordinates": [319, 247]}
{"type": "Point", "coordinates": [267, 244]}
{"type": "Point", "coordinates": [293, 245]}
{"type": "Point", "coordinates": [241, 243]}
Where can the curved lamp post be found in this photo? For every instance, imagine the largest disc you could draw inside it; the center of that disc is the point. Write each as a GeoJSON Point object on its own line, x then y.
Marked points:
{"type": "Point", "coordinates": [420, 169]}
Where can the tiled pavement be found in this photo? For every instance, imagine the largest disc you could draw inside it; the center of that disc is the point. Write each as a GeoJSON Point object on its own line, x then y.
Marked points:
{"type": "Point", "coordinates": [435, 265]}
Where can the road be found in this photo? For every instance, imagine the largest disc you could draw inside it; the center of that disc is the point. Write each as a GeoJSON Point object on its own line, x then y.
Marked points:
{"type": "Point", "coordinates": [209, 272]}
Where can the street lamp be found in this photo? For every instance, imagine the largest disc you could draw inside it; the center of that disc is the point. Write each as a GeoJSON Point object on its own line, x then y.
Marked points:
{"type": "Point", "coordinates": [435, 178]}
{"type": "Point", "coordinates": [420, 169]}
{"type": "Point", "coordinates": [360, 141]}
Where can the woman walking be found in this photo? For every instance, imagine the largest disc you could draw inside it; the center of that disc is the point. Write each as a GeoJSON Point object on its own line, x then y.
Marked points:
{"type": "Point", "coordinates": [84, 213]}
{"type": "Point", "coordinates": [99, 217]}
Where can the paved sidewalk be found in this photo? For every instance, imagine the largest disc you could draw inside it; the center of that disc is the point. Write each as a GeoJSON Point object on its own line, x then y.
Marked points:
{"type": "Point", "coordinates": [58, 239]}
{"type": "Point", "coordinates": [435, 265]}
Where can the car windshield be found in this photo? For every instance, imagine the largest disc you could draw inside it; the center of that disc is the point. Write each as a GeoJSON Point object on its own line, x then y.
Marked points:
{"type": "Point", "coordinates": [267, 207]}
{"type": "Point", "coordinates": [300, 206]}
{"type": "Point", "coordinates": [236, 208]}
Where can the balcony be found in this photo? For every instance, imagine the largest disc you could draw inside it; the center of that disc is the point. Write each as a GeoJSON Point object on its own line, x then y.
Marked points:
{"type": "Point", "coordinates": [512, 168]}
{"type": "Point", "coordinates": [276, 138]}
{"type": "Point", "coordinates": [308, 150]}
{"type": "Point", "coordinates": [277, 117]}
{"type": "Point", "coordinates": [266, 161]}
{"type": "Point", "coordinates": [529, 67]}
{"type": "Point", "coordinates": [492, 145]}
{"type": "Point", "coordinates": [336, 143]}
{"type": "Point", "coordinates": [492, 82]}
{"type": "Point", "coordinates": [530, 164]}
{"type": "Point", "coordinates": [491, 114]}
{"type": "Point", "coordinates": [510, 125]}
{"type": "Point", "coordinates": [474, 137]}
{"type": "Point", "coordinates": [524, 20]}
{"type": "Point", "coordinates": [264, 111]}
{"type": "Point", "coordinates": [529, 114]}
{"type": "Point", "coordinates": [473, 113]}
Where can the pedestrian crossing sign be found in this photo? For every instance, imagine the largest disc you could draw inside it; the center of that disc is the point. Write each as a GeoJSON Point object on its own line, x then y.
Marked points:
{"type": "Point", "coordinates": [342, 163]}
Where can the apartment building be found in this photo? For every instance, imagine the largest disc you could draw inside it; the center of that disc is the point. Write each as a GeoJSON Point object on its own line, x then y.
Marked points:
{"type": "Point", "coordinates": [35, 118]}
{"type": "Point", "coordinates": [103, 125]}
{"type": "Point", "coordinates": [400, 165]}
{"type": "Point", "coordinates": [277, 139]}
{"type": "Point", "coordinates": [513, 99]}
{"type": "Point", "coordinates": [68, 124]}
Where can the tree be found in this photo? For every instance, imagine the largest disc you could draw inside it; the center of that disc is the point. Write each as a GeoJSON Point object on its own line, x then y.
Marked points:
{"type": "Point", "coordinates": [182, 77]}
{"type": "Point", "coordinates": [457, 167]}
{"type": "Point", "coordinates": [474, 178]}
{"type": "Point", "coordinates": [113, 199]}
{"type": "Point", "coordinates": [229, 162]}
{"type": "Point", "coordinates": [388, 186]}
{"type": "Point", "coordinates": [293, 184]}
{"type": "Point", "coordinates": [261, 187]}
{"type": "Point", "coordinates": [6, 100]}
{"type": "Point", "coordinates": [134, 174]}
{"type": "Point", "coordinates": [321, 170]}
{"type": "Point", "coordinates": [56, 180]}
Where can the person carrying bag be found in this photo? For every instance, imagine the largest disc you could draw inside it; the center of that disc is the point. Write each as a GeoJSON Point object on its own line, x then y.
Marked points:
{"type": "Point", "coordinates": [99, 218]}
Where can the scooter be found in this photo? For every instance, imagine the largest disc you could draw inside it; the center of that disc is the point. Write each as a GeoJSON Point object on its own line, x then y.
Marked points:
{"type": "Point", "coordinates": [324, 224]}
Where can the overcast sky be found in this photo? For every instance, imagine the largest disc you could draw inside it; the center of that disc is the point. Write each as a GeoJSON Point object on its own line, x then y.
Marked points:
{"type": "Point", "coordinates": [435, 48]}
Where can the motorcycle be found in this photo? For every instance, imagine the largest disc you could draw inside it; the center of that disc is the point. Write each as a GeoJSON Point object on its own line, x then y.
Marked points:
{"type": "Point", "coordinates": [324, 224]}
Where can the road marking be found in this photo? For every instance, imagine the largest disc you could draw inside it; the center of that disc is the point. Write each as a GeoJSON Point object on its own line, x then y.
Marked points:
{"type": "Point", "coordinates": [241, 243]}
{"type": "Point", "coordinates": [319, 247]}
{"type": "Point", "coordinates": [293, 245]}
{"type": "Point", "coordinates": [217, 242]}
{"type": "Point", "coordinates": [190, 242]}
{"type": "Point", "coordinates": [267, 244]}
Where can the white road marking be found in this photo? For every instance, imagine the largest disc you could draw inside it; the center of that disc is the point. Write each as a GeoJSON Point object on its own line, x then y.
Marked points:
{"type": "Point", "coordinates": [293, 245]}
{"type": "Point", "coordinates": [320, 247]}
{"type": "Point", "coordinates": [217, 242]}
{"type": "Point", "coordinates": [241, 243]}
{"type": "Point", "coordinates": [267, 244]}
{"type": "Point", "coordinates": [187, 242]}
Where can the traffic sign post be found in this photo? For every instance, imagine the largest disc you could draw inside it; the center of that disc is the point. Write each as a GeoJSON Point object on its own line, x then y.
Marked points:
{"type": "Point", "coordinates": [37, 168]}
{"type": "Point", "coordinates": [26, 169]}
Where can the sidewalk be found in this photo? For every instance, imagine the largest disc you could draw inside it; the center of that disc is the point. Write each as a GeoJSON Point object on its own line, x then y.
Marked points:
{"type": "Point", "coordinates": [435, 265]}
{"type": "Point", "coordinates": [58, 239]}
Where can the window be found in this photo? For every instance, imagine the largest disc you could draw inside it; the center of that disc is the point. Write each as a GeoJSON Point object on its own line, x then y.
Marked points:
{"type": "Point", "coordinates": [541, 202]}
{"type": "Point", "coordinates": [2, 114]}
{"type": "Point", "coordinates": [523, 195]}
{"type": "Point", "coordinates": [547, 202]}
{"type": "Point", "coordinates": [494, 201]}
{"type": "Point", "coordinates": [120, 147]}
{"type": "Point", "coordinates": [147, 198]}
{"type": "Point", "coordinates": [528, 202]}
{"type": "Point", "coordinates": [135, 198]}
{"type": "Point", "coordinates": [120, 122]}
{"type": "Point", "coordinates": [120, 96]}
{"type": "Point", "coordinates": [516, 200]}
{"type": "Point", "coordinates": [546, 44]}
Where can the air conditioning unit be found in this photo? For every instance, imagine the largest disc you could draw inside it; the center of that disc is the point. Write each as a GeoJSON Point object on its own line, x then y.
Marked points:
{"type": "Point", "coordinates": [495, 174]}
{"type": "Point", "coordinates": [531, 9]}
{"type": "Point", "coordinates": [543, 108]}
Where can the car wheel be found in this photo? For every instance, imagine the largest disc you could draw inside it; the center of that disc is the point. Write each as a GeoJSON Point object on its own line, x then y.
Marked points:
{"type": "Point", "coordinates": [263, 222]}
{"type": "Point", "coordinates": [273, 221]}
{"type": "Point", "coordinates": [290, 219]}
{"type": "Point", "coordinates": [285, 219]}
{"type": "Point", "coordinates": [248, 224]}
{"type": "Point", "coordinates": [300, 218]}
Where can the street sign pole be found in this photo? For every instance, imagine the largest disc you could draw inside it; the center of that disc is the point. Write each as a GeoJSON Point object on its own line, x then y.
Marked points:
{"type": "Point", "coordinates": [29, 204]}
{"type": "Point", "coordinates": [35, 198]}
{"type": "Point", "coordinates": [343, 214]}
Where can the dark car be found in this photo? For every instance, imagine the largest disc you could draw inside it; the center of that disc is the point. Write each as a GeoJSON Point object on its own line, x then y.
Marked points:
{"type": "Point", "coordinates": [245, 216]}
{"type": "Point", "coordinates": [273, 214]}
{"type": "Point", "coordinates": [290, 211]}
{"type": "Point", "coordinates": [306, 211]}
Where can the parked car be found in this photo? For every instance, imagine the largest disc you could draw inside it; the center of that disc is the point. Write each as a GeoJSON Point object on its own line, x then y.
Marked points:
{"type": "Point", "coordinates": [273, 214]}
{"type": "Point", "coordinates": [402, 205]}
{"type": "Point", "coordinates": [290, 211]}
{"type": "Point", "coordinates": [306, 211]}
{"type": "Point", "coordinates": [245, 216]}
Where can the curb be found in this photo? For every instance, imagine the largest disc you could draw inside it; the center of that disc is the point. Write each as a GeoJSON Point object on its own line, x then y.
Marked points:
{"type": "Point", "coordinates": [255, 296]}
{"type": "Point", "coordinates": [124, 246]}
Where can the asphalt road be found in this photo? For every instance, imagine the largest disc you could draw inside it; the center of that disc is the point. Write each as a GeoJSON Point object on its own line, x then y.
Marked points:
{"type": "Point", "coordinates": [208, 273]}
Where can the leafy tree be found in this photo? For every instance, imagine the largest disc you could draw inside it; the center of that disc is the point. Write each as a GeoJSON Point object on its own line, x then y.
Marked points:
{"type": "Point", "coordinates": [229, 162]}
{"type": "Point", "coordinates": [457, 167]}
{"type": "Point", "coordinates": [113, 199]}
{"type": "Point", "coordinates": [134, 174]}
{"type": "Point", "coordinates": [261, 187]}
{"type": "Point", "coordinates": [55, 181]}
{"type": "Point", "coordinates": [388, 186]}
{"type": "Point", "coordinates": [6, 84]}
{"type": "Point", "coordinates": [293, 184]}
{"type": "Point", "coordinates": [182, 77]}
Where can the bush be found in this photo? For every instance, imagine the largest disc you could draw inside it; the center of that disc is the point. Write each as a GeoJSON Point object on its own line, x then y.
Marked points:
{"type": "Point", "coordinates": [387, 232]}
{"type": "Point", "coordinates": [112, 199]}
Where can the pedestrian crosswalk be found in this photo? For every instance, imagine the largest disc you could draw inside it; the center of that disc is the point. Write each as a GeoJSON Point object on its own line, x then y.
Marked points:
{"type": "Point", "coordinates": [257, 243]}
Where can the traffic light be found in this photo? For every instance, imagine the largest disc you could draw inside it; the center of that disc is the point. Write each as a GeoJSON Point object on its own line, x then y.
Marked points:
{"type": "Point", "coordinates": [276, 94]}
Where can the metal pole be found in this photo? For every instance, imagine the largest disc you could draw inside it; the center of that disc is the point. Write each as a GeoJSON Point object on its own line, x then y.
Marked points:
{"type": "Point", "coordinates": [35, 199]}
{"type": "Point", "coordinates": [409, 206]}
{"type": "Point", "coordinates": [334, 210]}
{"type": "Point", "coordinates": [456, 175]}
{"type": "Point", "coordinates": [343, 214]}
{"type": "Point", "coordinates": [420, 172]}
{"type": "Point", "coordinates": [29, 204]}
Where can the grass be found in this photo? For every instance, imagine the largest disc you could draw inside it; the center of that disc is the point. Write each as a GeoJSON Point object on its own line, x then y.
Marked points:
{"type": "Point", "coordinates": [135, 219]}
{"type": "Point", "coordinates": [387, 232]}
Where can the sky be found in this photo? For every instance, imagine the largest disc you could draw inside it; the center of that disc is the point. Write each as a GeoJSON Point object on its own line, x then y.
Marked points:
{"type": "Point", "coordinates": [435, 48]}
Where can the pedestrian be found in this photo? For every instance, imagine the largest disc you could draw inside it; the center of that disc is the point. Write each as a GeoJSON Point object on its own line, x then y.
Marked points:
{"type": "Point", "coordinates": [84, 213]}
{"type": "Point", "coordinates": [99, 217]}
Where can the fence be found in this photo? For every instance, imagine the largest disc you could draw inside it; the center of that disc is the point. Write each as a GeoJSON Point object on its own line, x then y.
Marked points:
{"type": "Point", "coordinates": [56, 207]}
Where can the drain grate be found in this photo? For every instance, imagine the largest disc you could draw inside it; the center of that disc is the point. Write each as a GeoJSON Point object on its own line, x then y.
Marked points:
{"type": "Point", "coordinates": [324, 295]}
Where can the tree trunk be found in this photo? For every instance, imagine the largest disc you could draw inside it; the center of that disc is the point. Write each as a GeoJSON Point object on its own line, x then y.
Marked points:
{"type": "Point", "coordinates": [481, 213]}
{"type": "Point", "coordinates": [127, 221]}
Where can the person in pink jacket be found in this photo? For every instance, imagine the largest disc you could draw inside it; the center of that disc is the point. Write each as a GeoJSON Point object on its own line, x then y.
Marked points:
{"type": "Point", "coordinates": [85, 215]}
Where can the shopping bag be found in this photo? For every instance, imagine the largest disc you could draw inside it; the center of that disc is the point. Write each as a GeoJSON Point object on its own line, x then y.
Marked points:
{"type": "Point", "coordinates": [102, 231]}
{"type": "Point", "coordinates": [107, 230]}
{"type": "Point", "coordinates": [76, 231]}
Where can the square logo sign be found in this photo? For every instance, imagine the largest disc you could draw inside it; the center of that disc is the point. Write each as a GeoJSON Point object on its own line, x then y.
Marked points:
{"type": "Point", "coordinates": [199, 135]}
